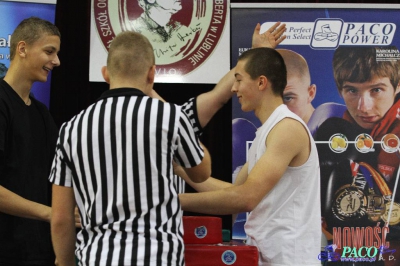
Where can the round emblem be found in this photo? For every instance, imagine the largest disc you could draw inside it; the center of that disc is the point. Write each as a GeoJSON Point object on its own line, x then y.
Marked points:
{"type": "Point", "coordinates": [228, 257]}
{"type": "Point", "coordinates": [183, 33]}
{"type": "Point", "coordinates": [200, 232]}
{"type": "Point", "coordinates": [350, 203]}
{"type": "Point", "coordinates": [395, 215]}
{"type": "Point", "coordinates": [390, 143]}
{"type": "Point", "coordinates": [338, 143]}
{"type": "Point", "coordinates": [364, 143]}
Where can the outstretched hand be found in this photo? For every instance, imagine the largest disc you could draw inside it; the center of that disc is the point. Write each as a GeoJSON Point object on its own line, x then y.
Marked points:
{"type": "Point", "coordinates": [271, 38]}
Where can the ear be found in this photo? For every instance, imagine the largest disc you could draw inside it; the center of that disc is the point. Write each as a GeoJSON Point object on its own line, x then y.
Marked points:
{"type": "Point", "coordinates": [21, 49]}
{"type": "Point", "coordinates": [312, 91]}
{"type": "Point", "coordinates": [262, 83]}
{"type": "Point", "coordinates": [105, 74]}
{"type": "Point", "coordinates": [151, 75]}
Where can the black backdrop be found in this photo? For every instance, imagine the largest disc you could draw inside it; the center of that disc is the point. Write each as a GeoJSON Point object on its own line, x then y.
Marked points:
{"type": "Point", "coordinates": [72, 92]}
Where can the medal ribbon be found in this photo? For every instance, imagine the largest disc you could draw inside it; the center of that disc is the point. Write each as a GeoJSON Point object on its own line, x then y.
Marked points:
{"type": "Point", "coordinates": [383, 187]}
{"type": "Point", "coordinates": [354, 168]}
{"type": "Point", "coordinates": [368, 177]}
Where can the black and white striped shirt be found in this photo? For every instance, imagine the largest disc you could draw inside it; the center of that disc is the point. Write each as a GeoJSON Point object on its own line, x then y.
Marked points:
{"type": "Point", "coordinates": [190, 109]}
{"type": "Point", "coordinates": [117, 155]}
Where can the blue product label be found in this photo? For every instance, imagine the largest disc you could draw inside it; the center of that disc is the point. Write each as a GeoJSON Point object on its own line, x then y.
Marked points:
{"type": "Point", "coordinates": [228, 257]}
{"type": "Point", "coordinates": [200, 232]}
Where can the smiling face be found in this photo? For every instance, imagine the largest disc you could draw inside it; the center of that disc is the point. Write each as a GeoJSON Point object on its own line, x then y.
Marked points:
{"type": "Point", "coordinates": [368, 102]}
{"type": "Point", "coordinates": [245, 87]}
{"type": "Point", "coordinates": [40, 57]}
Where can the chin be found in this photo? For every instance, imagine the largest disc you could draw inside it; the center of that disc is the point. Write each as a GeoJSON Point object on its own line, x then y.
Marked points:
{"type": "Point", "coordinates": [244, 109]}
{"type": "Point", "coordinates": [43, 79]}
{"type": "Point", "coordinates": [365, 126]}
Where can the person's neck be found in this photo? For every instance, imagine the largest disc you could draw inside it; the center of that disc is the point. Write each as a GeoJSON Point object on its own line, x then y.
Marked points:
{"type": "Point", "coordinates": [159, 16]}
{"type": "Point", "coordinates": [145, 88]}
{"type": "Point", "coordinates": [264, 111]}
{"type": "Point", "coordinates": [310, 111]}
{"type": "Point", "coordinates": [19, 84]}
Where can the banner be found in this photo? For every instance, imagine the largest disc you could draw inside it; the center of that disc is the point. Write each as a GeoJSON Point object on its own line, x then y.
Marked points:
{"type": "Point", "coordinates": [190, 38]}
{"type": "Point", "coordinates": [12, 13]}
{"type": "Point", "coordinates": [34, 1]}
{"type": "Point", "coordinates": [352, 55]}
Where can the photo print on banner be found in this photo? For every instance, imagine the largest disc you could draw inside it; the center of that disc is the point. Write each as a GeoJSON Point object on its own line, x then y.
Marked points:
{"type": "Point", "coordinates": [183, 34]}
{"type": "Point", "coordinates": [353, 59]}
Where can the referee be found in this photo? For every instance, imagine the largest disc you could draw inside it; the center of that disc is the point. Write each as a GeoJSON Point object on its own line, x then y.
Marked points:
{"type": "Point", "coordinates": [114, 160]}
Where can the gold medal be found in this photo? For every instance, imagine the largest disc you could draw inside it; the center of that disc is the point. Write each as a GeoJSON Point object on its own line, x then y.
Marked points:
{"type": "Point", "coordinates": [376, 203]}
{"type": "Point", "coordinates": [395, 213]}
{"type": "Point", "coordinates": [387, 194]}
{"type": "Point", "coordinates": [375, 207]}
{"type": "Point", "coordinates": [350, 203]}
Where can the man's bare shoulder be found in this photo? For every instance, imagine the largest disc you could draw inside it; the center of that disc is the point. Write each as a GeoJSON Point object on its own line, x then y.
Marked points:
{"type": "Point", "coordinates": [292, 139]}
{"type": "Point", "coordinates": [289, 132]}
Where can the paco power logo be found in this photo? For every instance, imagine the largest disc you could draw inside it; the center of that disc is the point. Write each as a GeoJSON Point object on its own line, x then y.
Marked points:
{"type": "Point", "coordinates": [183, 33]}
{"type": "Point", "coordinates": [330, 33]}
{"type": "Point", "coordinates": [354, 254]}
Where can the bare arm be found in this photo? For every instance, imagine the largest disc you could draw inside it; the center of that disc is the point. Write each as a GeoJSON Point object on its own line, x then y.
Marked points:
{"type": "Point", "coordinates": [16, 205]}
{"type": "Point", "coordinates": [240, 179]}
{"type": "Point", "coordinates": [242, 175]}
{"type": "Point", "coordinates": [262, 178]}
{"type": "Point", "coordinates": [63, 233]}
{"type": "Point", "coordinates": [212, 184]}
{"type": "Point", "coordinates": [210, 102]}
{"type": "Point", "coordinates": [209, 185]}
{"type": "Point", "coordinates": [201, 172]}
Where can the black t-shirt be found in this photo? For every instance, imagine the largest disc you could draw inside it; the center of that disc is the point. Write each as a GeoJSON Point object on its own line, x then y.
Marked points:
{"type": "Point", "coordinates": [28, 136]}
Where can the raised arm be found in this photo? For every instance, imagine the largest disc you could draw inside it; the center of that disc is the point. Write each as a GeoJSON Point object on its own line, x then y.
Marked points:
{"type": "Point", "coordinates": [210, 102]}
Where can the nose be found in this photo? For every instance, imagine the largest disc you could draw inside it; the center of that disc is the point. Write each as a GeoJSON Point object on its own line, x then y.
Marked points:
{"type": "Point", "coordinates": [56, 61]}
{"type": "Point", "coordinates": [365, 103]}
{"type": "Point", "coordinates": [234, 89]}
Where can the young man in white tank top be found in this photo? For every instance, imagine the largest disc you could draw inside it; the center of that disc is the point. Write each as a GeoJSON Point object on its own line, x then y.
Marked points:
{"type": "Point", "coordinates": [280, 183]}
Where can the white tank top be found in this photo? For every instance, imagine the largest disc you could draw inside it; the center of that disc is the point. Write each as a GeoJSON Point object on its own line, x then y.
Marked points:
{"type": "Point", "coordinates": [286, 224]}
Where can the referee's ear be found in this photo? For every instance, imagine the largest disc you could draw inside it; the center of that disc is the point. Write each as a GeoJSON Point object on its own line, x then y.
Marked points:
{"type": "Point", "coordinates": [106, 76]}
{"type": "Point", "coordinates": [151, 74]}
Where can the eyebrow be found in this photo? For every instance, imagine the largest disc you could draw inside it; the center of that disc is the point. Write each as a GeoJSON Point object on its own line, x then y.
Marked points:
{"type": "Point", "coordinates": [379, 84]}
{"type": "Point", "coordinates": [289, 93]}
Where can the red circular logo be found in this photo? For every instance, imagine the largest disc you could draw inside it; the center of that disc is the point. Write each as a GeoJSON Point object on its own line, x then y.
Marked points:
{"type": "Point", "coordinates": [183, 33]}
